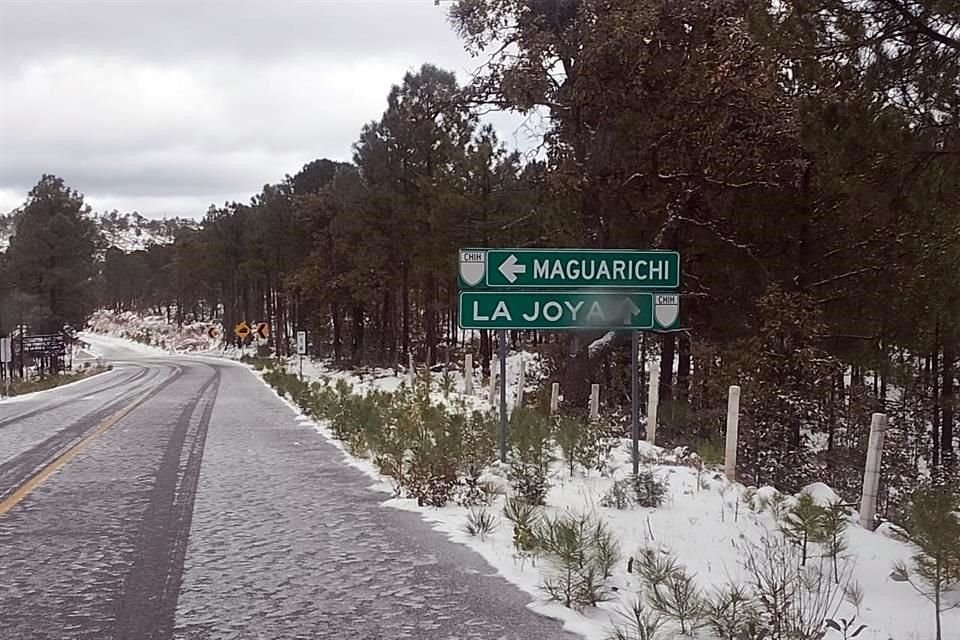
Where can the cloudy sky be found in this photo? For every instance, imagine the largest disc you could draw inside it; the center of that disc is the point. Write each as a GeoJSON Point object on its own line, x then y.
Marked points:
{"type": "Point", "coordinates": [168, 106]}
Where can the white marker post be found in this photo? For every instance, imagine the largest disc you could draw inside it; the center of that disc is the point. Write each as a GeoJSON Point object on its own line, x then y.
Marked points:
{"type": "Point", "coordinates": [594, 401]}
{"type": "Point", "coordinates": [871, 471]}
{"type": "Point", "coordinates": [653, 400]}
{"type": "Point", "coordinates": [301, 348]}
{"type": "Point", "coordinates": [733, 425]}
{"type": "Point", "coordinates": [521, 382]}
{"type": "Point", "coordinates": [554, 398]}
{"type": "Point", "coordinates": [411, 372]}
{"type": "Point", "coordinates": [468, 374]}
{"type": "Point", "coordinates": [6, 358]}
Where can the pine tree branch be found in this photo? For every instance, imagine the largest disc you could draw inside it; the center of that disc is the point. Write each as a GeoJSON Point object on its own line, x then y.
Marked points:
{"type": "Point", "coordinates": [922, 26]}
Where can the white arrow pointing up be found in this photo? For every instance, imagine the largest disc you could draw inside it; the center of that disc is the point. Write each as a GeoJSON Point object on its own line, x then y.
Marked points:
{"type": "Point", "coordinates": [510, 268]}
{"type": "Point", "coordinates": [629, 310]}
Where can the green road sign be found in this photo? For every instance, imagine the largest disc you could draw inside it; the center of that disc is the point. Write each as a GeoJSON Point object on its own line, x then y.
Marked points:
{"type": "Point", "coordinates": [568, 268]}
{"type": "Point", "coordinates": [560, 310]}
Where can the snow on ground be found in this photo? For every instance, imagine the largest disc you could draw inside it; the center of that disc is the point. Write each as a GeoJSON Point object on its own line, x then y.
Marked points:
{"type": "Point", "coordinates": [704, 522]}
{"type": "Point", "coordinates": [156, 331]}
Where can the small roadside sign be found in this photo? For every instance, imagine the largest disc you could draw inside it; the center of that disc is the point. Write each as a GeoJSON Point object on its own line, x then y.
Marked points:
{"type": "Point", "coordinates": [241, 330]}
{"type": "Point", "coordinates": [6, 350]}
{"type": "Point", "coordinates": [263, 330]}
{"type": "Point", "coordinates": [301, 343]}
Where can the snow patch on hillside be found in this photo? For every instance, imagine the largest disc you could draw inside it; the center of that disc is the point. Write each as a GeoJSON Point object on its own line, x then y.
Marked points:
{"type": "Point", "coordinates": [155, 331]}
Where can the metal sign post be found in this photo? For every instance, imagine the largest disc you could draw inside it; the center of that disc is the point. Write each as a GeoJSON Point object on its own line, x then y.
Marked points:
{"type": "Point", "coordinates": [502, 334]}
{"type": "Point", "coordinates": [635, 400]}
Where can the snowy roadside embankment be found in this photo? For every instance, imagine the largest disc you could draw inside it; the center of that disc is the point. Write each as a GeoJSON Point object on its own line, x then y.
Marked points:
{"type": "Point", "coordinates": [709, 526]}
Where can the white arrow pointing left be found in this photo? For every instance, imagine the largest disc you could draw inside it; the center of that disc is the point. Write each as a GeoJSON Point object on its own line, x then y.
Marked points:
{"type": "Point", "coordinates": [510, 269]}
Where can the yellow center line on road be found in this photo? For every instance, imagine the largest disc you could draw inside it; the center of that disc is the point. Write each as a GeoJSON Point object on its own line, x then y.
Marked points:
{"type": "Point", "coordinates": [27, 488]}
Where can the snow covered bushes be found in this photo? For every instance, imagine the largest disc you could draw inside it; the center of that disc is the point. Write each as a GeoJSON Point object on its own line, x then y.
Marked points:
{"type": "Point", "coordinates": [644, 489]}
{"type": "Point", "coordinates": [432, 454]}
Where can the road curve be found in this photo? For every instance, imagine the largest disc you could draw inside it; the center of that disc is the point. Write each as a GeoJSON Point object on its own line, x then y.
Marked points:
{"type": "Point", "coordinates": [179, 498]}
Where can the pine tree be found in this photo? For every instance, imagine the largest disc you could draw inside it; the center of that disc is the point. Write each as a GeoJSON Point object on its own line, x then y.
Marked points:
{"type": "Point", "coordinates": [52, 257]}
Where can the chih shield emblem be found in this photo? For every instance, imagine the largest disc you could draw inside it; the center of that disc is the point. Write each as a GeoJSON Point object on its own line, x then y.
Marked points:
{"type": "Point", "coordinates": [472, 266]}
{"type": "Point", "coordinates": [666, 309]}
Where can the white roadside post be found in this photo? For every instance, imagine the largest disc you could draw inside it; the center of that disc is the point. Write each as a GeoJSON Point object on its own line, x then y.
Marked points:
{"type": "Point", "coordinates": [6, 357]}
{"type": "Point", "coordinates": [594, 401]}
{"type": "Point", "coordinates": [871, 471]}
{"type": "Point", "coordinates": [554, 398]}
{"type": "Point", "coordinates": [733, 425]}
{"type": "Point", "coordinates": [411, 372]}
{"type": "Point", "coordinates": [301, 348]}
{"type": "Point", "coordinates": [468, 374]}
{"type": "Point", "coordinates": [653, 399]}
{"type": "Point", "coordinates": [521, 382]}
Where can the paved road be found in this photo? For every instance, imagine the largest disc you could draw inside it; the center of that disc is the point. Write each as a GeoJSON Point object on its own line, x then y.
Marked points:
{"type": "Point", "coordinates": [186, 501]}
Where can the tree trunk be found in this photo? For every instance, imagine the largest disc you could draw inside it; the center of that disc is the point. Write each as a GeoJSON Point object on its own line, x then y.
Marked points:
{"type": "Point", "coordinates": [406, 311]}
{"type": "Point", "coordinates": [337, 331]}
{"type": "Point", "coordinates": [430, 317]}
{"type": "Point", "coordinates": [357, 337]}
{"type": "Point", "coordinates": [947, 400]}
{"type": "Point", "coordinates": [935, 397]}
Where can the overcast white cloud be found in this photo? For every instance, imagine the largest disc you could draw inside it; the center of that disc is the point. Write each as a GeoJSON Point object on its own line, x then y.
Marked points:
{"type": "Point", "coordinates": [167, 107]}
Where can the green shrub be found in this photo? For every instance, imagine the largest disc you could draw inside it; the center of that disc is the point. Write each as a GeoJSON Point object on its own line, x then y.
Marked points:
{"type": "Point", "coordinates": [672, 591]}
{"type": "Point", "coordinates": [648, 490]}
{"type": "Point", "coordinates": [480, 522]}
{"type": "Point", "coordinates": [732, 613]}
{"type": "Point", "coordinates": [531, 454]}
{"type": "Point", "coordinates": [637, 623]}
{"type": "Point", "coordinates": [526, 519]}
{"type": "Point", "coordinates": [582, 552]}
{"type": "Point", "coordinates": [619, 496]}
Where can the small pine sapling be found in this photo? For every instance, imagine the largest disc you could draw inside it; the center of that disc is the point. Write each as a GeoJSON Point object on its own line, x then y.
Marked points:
{"type": "Point", "coordinates": [649, 490]}
{"type": "Point", "coordinates": [619, 496]}
{"type": "Point", "coordinates": [568, 435]}
{"type": "Point", "coordinates": [804, 524]}
{"type": "Point", "coordinates": [675, 594]}
{"type": "Point", "coordinates": [582, 552]}
{"type": "Point", "coordinates": [480, 522]}
{"type": "Point", "coordinates": [526, 519]}
{"type": "Point", "coordinates": [636, 623]}
{"type": "Point", "coordinates": [835, 520]}
{"type": "Point", "coordinates": [731, 612]}
{"type": "Point", "coordinates": [933, 529]}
